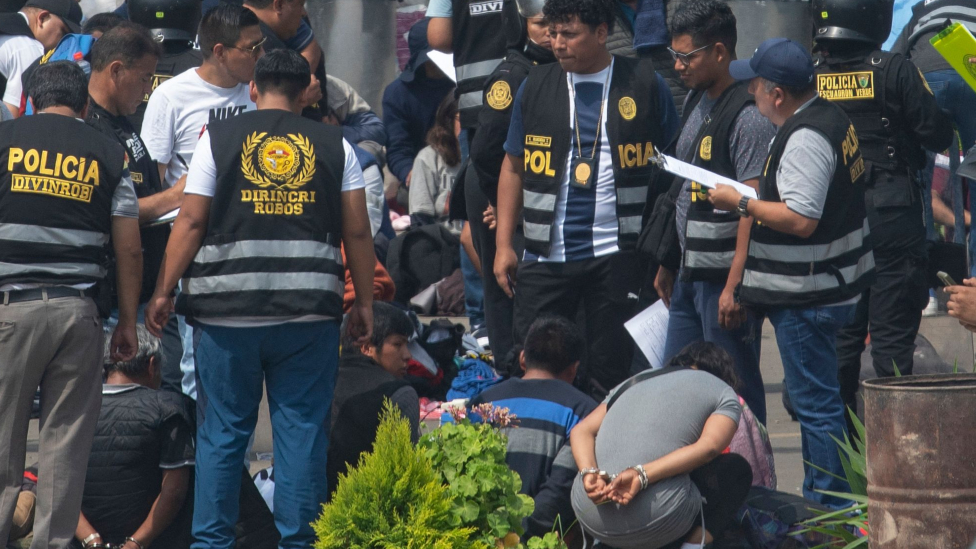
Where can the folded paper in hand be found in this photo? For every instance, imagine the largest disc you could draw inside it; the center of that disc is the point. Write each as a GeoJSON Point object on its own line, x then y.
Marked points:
{"type": "Point", "coordinates": [702, 176]}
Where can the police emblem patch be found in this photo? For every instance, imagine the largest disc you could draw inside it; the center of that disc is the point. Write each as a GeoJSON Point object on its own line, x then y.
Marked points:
{"type": "Point", "coordinates": [279, 162]}
{"type": "Point", "coordinates": [499, 95]}
{"type": "Point", "coordinates": [627, 108]}
{"type": "Point", "coordinates": [969, 61]}
{"type": "Point", "coordinates": [705, 151]}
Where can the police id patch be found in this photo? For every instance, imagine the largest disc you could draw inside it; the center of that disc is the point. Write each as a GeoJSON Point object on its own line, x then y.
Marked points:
{"type": "Point", "coordinates": [846, 86]}
{"type": "Point", "coordinates": [705, 151]}
{"type": "Point", "coordinates": [627, 108]}
{"type": "Point", "coordinates": [279, 167]}
{"type": "Point", "coordinates": [499, 95]}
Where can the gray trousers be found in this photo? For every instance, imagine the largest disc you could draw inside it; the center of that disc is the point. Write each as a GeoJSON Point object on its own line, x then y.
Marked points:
{"type": "Point", "coordinates": [57, 344]}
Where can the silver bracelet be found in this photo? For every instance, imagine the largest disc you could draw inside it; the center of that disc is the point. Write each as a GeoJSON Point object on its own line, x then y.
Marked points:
{"type": "Point", "coordinates": [641, 475]}
{"type": "Point", "coordinates": [135, 541]}
{"type": "Point", "coordinates": [91, 537]}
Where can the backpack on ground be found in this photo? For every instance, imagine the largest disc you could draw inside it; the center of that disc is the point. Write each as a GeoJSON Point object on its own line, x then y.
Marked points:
{"type": "Point", "coordinates": [773, 520]}
{"type": "Point", "coordinates": [420, 257]}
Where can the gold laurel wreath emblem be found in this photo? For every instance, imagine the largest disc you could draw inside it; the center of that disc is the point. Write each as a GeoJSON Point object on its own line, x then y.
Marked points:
{"type": "Point", "coordinates": [252, 175]}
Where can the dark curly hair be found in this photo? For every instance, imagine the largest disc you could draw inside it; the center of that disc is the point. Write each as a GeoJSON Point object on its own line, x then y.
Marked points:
{"type": "Point", "coordinates": [591, 12]}
{"type": "Point", "coordinates": [707, 357]}
{"type": "Point", "coordinates": [706, 21]}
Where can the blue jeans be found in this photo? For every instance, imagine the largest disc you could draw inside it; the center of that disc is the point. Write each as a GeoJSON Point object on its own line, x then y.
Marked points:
{"type": "Point", "coordinates": [694, 317]}
{"type": "Point", "coordinates": [474, 291]}
{"type": "Point", "coordinates": [807, 345]}
{"type": "Point", "coordinates": [298, 362]}
{"type": "Point", "coordinates": [954, 95]}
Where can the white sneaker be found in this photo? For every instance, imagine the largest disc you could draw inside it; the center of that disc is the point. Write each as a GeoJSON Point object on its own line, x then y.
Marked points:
{"type": "Point", "coordinates": [932, 309]}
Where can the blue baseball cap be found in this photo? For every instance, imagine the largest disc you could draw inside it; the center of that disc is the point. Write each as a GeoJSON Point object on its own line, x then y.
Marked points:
{"type": "Point", "coordinates": [778, 60]}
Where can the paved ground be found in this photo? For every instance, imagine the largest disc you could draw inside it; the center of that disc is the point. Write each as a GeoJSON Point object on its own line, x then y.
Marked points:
{"type": "Point", "coordinates": [951, 341]}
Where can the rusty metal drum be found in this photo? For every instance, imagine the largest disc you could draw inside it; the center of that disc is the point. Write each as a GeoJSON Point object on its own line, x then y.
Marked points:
{"type": "Point", "coordinates": [921, 461]}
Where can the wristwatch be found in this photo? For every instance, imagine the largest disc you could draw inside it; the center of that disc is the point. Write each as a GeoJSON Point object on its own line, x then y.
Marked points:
{"type": "Point", "coordinates": [743, 204]}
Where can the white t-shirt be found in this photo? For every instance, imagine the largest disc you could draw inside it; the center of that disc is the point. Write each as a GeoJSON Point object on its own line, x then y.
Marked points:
{"type": "Point", "coordinates": [16, 54]}
{"type": "Point", "coordinates": [202, 180]}
{"type": "Point", "coordinates": [178, 113]}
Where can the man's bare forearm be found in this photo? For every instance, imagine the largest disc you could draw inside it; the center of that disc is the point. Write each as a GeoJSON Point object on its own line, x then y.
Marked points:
{"type": "Point", "coordinates": [358, 240]}
{"type": "Point", "coordinates": [128, 257]}
{"type": "Point", "coordinates": [172, 495]}
{"type": "Point", "coordinates": [184, 241]}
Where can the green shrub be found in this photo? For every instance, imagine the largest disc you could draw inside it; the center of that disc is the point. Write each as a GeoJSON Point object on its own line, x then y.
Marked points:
{"type": "Point", "coordinates": [393, 499]}
{"type": "Point", "coordinates": [470, 458]}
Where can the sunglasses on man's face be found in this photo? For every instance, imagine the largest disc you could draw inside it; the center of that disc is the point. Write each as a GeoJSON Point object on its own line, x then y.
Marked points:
{"type": "Point", "coordinates": [685, 58]}
{"type": "Point", "coordinates": [252, 50]}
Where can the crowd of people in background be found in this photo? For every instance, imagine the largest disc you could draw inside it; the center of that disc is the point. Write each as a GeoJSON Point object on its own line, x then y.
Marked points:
{"type": "Point", "coordinates": [194, 157]}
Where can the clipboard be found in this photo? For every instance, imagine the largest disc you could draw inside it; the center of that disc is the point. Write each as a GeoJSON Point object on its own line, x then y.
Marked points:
{"type": "Point", "coordinates": [701, 175]}
{"type": "Point", "coordinates": [958, 46]}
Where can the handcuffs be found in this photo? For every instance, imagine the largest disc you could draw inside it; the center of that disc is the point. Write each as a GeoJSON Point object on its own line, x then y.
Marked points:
{"type": "Point", "coordinates": [641, 474]}
{"type": "Point", "coordinates": [87, 543]}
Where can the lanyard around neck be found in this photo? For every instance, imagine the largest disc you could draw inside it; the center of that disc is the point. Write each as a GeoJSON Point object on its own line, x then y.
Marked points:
{"type": "Point", "coordinates": [599, 120]}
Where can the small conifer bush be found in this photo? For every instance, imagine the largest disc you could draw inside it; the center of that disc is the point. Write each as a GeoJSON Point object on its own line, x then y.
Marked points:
{"type": "Point", "coordinates": [393, 499]}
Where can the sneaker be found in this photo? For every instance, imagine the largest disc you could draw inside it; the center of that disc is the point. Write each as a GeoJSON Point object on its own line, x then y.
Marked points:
{"type": "Point", "coordinates": [932, 309]}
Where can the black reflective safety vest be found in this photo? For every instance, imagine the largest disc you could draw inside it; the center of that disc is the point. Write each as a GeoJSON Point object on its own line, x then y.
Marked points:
{"type": "Point", "coordinates": [12, 24]}
{"type": "Point", "coordinates": [487, 146]}
{"type": "Point", "coordinates": [272, 242]}
{"type": "Point", "coordinates": [177, 58]}
{"type": "Point", "coordinates": [710, 234]}
{"type": "Point", "coordinates": [480, 42]}
{"type": "Point", "coordinates": [633, 126]}
{"type": "Point", "coordinates": [859, 86]}
{"type": "Point", "coordinates": [57, 180]}
{"type": "Point", "coordinates": [836, 262]}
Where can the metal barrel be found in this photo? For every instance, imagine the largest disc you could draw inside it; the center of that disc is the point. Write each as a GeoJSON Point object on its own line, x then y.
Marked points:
{"type": "Point", "coordinates": [921, 461]}
{"type": "Point", "coordinates": [757, 20]}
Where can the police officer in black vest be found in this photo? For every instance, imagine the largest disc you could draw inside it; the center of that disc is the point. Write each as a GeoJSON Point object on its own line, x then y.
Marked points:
{"type": "Point", "coordinates": [270, 196]}
{"type": "Point", "coordinates": [37, 27]}
{"type": "Point", "coordinates": [65, 194]}
{"type": "Point", "coordinates": [123, 62]}
{"type": "Point", "coordinates": [487, 154]}
{"type": "Point", "coordinates": [576, 173]}
{"type": "Point", "coordinates": [479, 33]}
{"type": "Point", "coordinates": [896, 117]}
{"type": "Point", "coordinates": [173, 23]}
{"type": "Point", "coordinates": [809, 254]}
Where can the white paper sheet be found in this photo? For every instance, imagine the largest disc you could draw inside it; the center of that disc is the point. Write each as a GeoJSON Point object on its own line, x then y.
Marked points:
{"type": "Point", "coordinates": [703, 176]}
{"type": "Point", "coordinates": [444, 62]}
{"type": "Point", "coordinates": [649, 330]}
{"type": "Point", "coordinates": [165, 218]}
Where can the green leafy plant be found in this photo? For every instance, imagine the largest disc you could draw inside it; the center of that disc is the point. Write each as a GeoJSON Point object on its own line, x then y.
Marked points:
{"type": "Point", "coordinates": [393, 499]}
{"type": "Point", "coordinates": [484, 492]}
{"type": "Point", "coordinates": [840, 525]}
{"type": "Point", "coordinates": [552, 540]}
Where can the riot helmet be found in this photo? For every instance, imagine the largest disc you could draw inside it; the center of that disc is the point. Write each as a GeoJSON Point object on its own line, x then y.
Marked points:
{"type": "Point", "coordinates": [167, 19]}
{"type": "Point", "coordinates": [530, 8]}
{"type": "Point", "coordinates": [867, 21]}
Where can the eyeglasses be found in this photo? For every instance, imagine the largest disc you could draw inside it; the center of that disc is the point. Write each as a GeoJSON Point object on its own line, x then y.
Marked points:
{"type": "Point", "coordinates": [685, 58]}
{"type": "Point", "coordinates": [253, 50]}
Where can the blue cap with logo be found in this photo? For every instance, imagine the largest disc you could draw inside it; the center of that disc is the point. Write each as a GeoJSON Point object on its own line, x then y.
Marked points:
{"type": "Point", "coordinates": [778, 60]}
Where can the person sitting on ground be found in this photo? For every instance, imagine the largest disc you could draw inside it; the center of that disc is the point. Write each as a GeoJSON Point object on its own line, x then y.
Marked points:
{"type": "Point", "coordinates": [141, 459]}
{"type": "Point", "coordinates": [368, 375]}
{"type": "Point", "coordinates": [435, 168]}
{"type": "Point", "coordinates": [548, 407]}
{"type": "Point", "coordinates": [658, 462]}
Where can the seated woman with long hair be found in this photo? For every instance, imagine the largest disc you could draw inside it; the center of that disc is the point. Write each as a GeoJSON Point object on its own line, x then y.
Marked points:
{"type": "Point", "coordinates": [652, 469]}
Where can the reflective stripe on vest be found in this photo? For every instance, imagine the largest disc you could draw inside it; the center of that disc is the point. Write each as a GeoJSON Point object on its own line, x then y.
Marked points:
{"type": "Point", "coordinates": [810, 254]}
{"type": "Point", "coordinates": [813, 254]}
{"type": "Point", "coordinates": [86, 270]}
{"type": "Point", "coordinates": [267, 248]}
{"type": "Point", "coordinates": [51, 235]}
{"type": "Point", "coordinates": [263, 281]}
{"type": "Point", "coordinates": [630, 225]}
{"type": "Point", "coordinates": [539, 201]}
{"type": "Point", "coordinates": [470, 100]}
{"type": "Point", "coordinates": [808, 283]}
{"type": "Point", "coordinates": [631, 195]}
{"type": "Point", "coordinates": [478, 69]}
{"type": "Point", "coordinates": [536, 231]}
{"type": "Point", "coordinates": [712, 231]}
